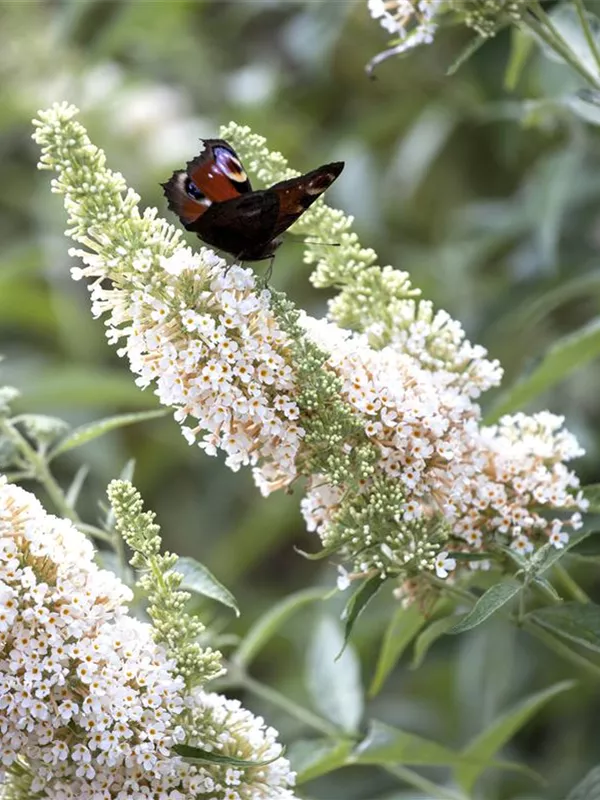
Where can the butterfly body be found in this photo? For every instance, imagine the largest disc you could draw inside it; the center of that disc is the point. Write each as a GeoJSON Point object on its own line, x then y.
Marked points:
{"type": "Point", "coordinates": [214, 198]}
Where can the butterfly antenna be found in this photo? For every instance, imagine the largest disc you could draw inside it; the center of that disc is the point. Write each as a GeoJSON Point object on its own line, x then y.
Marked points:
{"type": "Point", "coordinates": [315, 241]}
{"type": "Point", "coordinates": [269, 272]}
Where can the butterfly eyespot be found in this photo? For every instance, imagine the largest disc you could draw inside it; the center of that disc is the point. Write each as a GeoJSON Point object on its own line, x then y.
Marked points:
{"type": "Point", "coordinates": [192, 190]}
{"type": "Point", "coordinates": [230, 166]}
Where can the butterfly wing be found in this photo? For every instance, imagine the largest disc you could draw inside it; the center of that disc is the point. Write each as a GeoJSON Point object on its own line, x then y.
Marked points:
{"type": "Point", "coordinates": [298, 194]}
{"type": "Point", "coordinates": [242, 226]}
{"type": "Point", "coordinates": [214, 176]}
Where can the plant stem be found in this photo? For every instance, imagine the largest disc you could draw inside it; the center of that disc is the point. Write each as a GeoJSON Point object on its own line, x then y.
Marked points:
{"type": "Point", "coordinates": [97, 533]}
{"type": "Point", "coordinates": [242, 680]}
{"type": "Point", "coordinates": [41, 472]}
{"type": "Point", "coordinates": [289, 706]}
{"type": "Point", "coordinates": [431, 789]}
{"type": "Point", "coordinates": [570, 585]}
{"type": "Point", "coordinates": [560, 648]}
{"type": "Point", "coordinates": [454, 591]}
{"type": "Point", "coordinates": [541, 24]}
{"type": "Point", "coordinates": [587, 31]}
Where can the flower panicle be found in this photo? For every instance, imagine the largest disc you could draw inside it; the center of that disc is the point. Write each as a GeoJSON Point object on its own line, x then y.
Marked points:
{"type": "Point", "coordinates": [92, 705]}
{"type": "Point", "coordinates": [382, 420]}
{"type": "Point", "coordinates": [159, 579]}
{"type": "Point", "coordinates": [378, 301]}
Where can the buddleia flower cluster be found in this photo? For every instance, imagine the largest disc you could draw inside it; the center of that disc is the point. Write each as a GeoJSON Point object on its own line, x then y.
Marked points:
{"type": "Point", "coordinates": [375, 406]}
{"type": "Point", "coordinates": [414, 22]}
{"type": "Point", "coordinates": [91, 705]}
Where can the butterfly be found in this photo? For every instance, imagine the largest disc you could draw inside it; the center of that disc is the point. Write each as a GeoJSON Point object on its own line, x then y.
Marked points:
{"type": "Point", "coordinates": [213, 198]}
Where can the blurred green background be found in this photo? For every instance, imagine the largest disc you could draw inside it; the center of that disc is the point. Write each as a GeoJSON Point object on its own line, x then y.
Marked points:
{"type": "Point", "coordinates": [487, 195]}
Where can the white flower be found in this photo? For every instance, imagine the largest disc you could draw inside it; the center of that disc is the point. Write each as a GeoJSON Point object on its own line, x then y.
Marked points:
{"type": "Point", "coordinates": [207, 340]}
{"type": "Point", "coordinates": [411, 20]}
{"type": "Point", "coordinates": [444, 565]}
{"type": "Point", "coordinates": [87, 698]}
{"type": "Point", "coordinates": [343, 579]}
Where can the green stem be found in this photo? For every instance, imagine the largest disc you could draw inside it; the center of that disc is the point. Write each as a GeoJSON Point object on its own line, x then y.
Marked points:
{"type": "Point", "coordinates": [244, 681]}
{"type": "Point", "coordinates": [431, 789]}
{"type": "Point", "coordinates": [587, 31]}
{"type": "Point", "coordinates": [454, 591]}
{"type": "Point", "coordinates": [41, 472]}
{"type": "Point", "coordinates": [289, 706]}
{"type": "Point", "coordinates": [541, 24]}
{"type": "Point", "coordinates": [572, 587]}
{"type": "Point", "coordinates": [560, 648]}
{"type": "Point", "coordinates": [97, 533]}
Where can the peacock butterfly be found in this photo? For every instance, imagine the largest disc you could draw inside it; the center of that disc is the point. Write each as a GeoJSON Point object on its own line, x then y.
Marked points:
{"type": "Point", "coordinates": [213, 198]}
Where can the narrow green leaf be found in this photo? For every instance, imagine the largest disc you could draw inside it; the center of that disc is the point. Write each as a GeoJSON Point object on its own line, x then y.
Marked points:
{"type": "Point", "coordinates": [567, 354]}
{"type": "Point", "coordinates": [554, 554]}
{"type": "Point", "coordinates": [431, 633]}
{"type": "Point", "coordinates": [387, 745]}
{"type": "Point", "coordinates": [72, 494]}
{"type": "Point", "coordinates": [470, 49]}
{"type": "Point", "coordinates": [82, 387]}
{"type": "Point", "coordinates": [333, 680]}
{"type": "Point", "coordinates": [547, 587]}
{"type": "Point", "coordinates": [198, 578]}
{"type": "Point", "coordinates": [401, 630]}
{"type": "Point", "coordinates": [521, 46]}
{"type": "Point", "coordinates": [319, 555]}
{"type": "Point", "coordinates": [522, 316]}
{"type": "Point", "coordinates": [483, 748]}
{"type": "Point", "coordinates": [577, 622]}
{"type": "Point", "coordinates": [357, 604]}
{"type": "Point", "coordinates": [589, 788]}
{"type": "Point", "coordinates": [86, 433]}
{"type": "Point", "coordinates": [266, 626]}
{"type": "Point", "coordinates": [566, 21]}
{"type": "Point", "coordinates": [313, 758]}
{"type": "Point", "coordinates": [198, 755]}
{"type": "Point", "coordinates": [495, 597]}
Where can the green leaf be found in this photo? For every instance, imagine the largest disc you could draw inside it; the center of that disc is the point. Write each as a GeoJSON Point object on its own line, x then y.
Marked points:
{"type": "Point", "coordinates": [332, 679]}
{"type": "Point", "coordinates": [82, 387]}
{"type": "Point", "coordinates": [198, 578]}
{"type": "Point", "coordinates": [486, 744]}
{"type": "Point", "coordinates": [525, 315]}
{"type": "Point", "coordinates": [568, 25]}
{"type": "Point", "coordinates": [387, 745]}
{"type": "Point", "coordinates": [198, 755]}
{"type": "Point", "coordinates": [266, 626]}
{"type": "Point", "coordinates": [584, 104]}
{"type": "Point", "coordinates": [589, 788]}
{"type": "Point", "coordinates": [86, 433]}
{"type": "Point", "coordinates": [496, 596]}
{"type": "Point", "coordinates": [470, 49]}
{"type": "Point", "coordinates": [591, 492]}
{"type": "Point", "coordinates": [558, 173]}
{"type": "Point", "coordinates": [357, 604]}
{"type": "Point", "coordinates": [431, 633]}
{"type": "Point", "coordinates": [577, 622]}
{"type": "Point", "coordinates": [72, 494]}
{"type": "Point", "coordinates": [567, 354]}
{"type": "Point", "coordinates": [318, 556]}
{"type": "Point", "coordinates": [521, 46]}
{"type": "Point", "coordinates": [402, 628]}
{"type": "Point", "coordinates": [315, 757]}
{"type": "Point", "coordinates": [554, 554]}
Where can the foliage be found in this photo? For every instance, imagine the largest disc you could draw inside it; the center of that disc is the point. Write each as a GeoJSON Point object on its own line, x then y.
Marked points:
{"type": "Point", "coordinates": [483, 188]}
